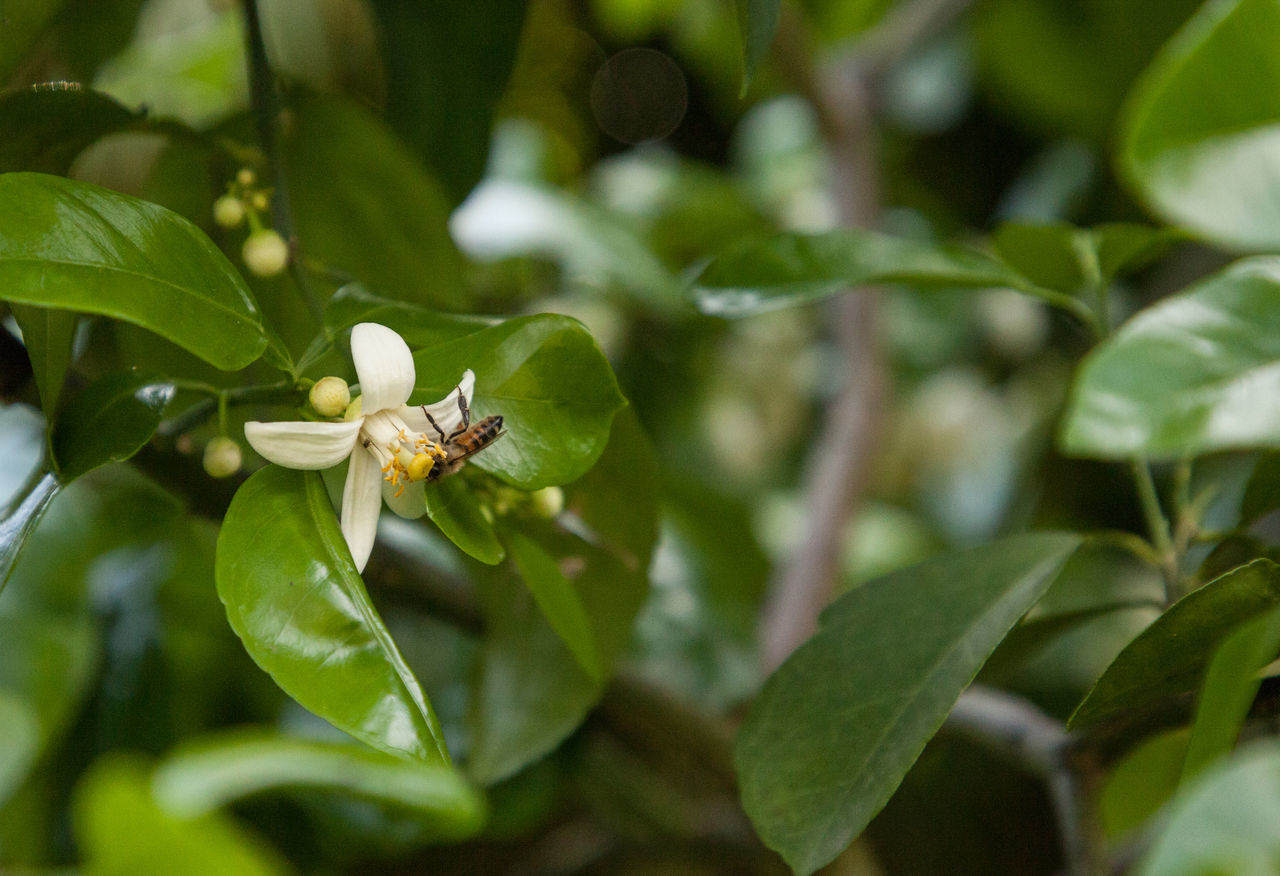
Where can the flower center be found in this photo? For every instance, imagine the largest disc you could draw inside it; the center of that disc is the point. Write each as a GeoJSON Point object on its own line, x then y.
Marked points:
{"type": "Point", "coordinates": [404, 455]}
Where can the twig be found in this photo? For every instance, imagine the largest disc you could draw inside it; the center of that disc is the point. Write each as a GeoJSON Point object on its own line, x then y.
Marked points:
{"type": "Point", "coordinates": [265, 102]}
{"type": "Point", "coordinates": [1158, 526]}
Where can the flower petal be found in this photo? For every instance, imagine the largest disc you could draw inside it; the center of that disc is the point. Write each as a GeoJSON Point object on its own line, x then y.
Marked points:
{"type": "Point", "coordinates": [302, 444]}
{"type": "Point", "coordinates": [361, 502]}
{"type": "Point", "coordinates": [411, 504]}
{"type": "Point", "coordinates": [446, 413]}
{"type": "Point", "coordinates": [384, 366]}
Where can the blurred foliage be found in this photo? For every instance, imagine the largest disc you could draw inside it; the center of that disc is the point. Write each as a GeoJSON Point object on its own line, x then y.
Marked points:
{"type": "Point", "coordinates": [557, 657]}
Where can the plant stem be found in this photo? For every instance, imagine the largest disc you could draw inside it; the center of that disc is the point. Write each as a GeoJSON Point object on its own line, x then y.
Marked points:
{"type": "Point", "coordinates": [265, 102]}
{"type": "Point", "coordinates": [282, 393]}
{"type": "Point", "coordinates": [1158, 526]}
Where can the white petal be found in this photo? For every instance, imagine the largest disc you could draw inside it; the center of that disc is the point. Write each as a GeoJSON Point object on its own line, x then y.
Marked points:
{"type": "Point", "coordinates": [384, 366]}
{"type": "Point", "coordinates": [302, 444]}
{"type": "Point", "coordinates": [411, 504]}
{"type": "Point", "coordinates": [361, 502]}
{"type": "Point", "coordinates": [446, 413]}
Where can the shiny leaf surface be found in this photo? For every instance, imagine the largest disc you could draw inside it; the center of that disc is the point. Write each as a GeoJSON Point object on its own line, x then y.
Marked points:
{"type": "Point", "coordinates": [454, 508]}
{"type": "Point", "coordinates": [557, 598]}
{"type": "Point", "coordinates": [72, 245]}
{"type": "Point", "coordinates": [294, 597]}
{"type": "Point", "coordinates": [1199, 140]}
{"type": "Point", "coordinates": [214, 771]}
{"type": "Point", "coordinates": [789, 269]}
{"type": "Point", "coordinates": [1194, 373]}
{"type": "Point", "coordinates": [888, 662]}
{"type": "Point", "coordinates": [108, 421]}
{"type": "Point", "coordinates": [419, 326]}
{"type": "Point", "coordinates": [1169, 657]}
{"type": "Point", "coordinates": [19, 519]}
{"type": "Point", "coordinates": [547, 378]}
{"type": "Point", "coordinates": [48, 336]}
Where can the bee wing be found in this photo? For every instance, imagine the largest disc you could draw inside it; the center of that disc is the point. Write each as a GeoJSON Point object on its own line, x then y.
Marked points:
{"type": "Point", "coordinates": [462, 456]}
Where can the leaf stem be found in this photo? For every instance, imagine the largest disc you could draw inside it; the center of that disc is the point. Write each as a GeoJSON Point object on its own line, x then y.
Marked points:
{"type": "Point", "coordinates": [220, 400]}
{"type": "Point", "coordinates": [1158, 526]}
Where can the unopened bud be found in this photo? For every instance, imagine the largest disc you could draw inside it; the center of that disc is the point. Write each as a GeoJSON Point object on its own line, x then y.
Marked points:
{"type": "Point", "coordinates": [246, 177]}
{"type": "Point", "coordinates": [548, 502]}
{"type": "Point", "coordinates": [228, 211]}
{"type": "Point", "coordinates": [330, 396]}
{"type": "Point", "coordinates": [265, 253]}
{"type": "Point", "coordinates": [261, 201]}
{"type": "Point", "coordinates": [355, 410]}
{"type": "Point", "coordinates": [222, 457]}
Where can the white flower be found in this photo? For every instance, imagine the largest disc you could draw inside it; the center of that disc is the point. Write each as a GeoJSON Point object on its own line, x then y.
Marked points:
{"type": "Point", "coordinates": [392, 447]}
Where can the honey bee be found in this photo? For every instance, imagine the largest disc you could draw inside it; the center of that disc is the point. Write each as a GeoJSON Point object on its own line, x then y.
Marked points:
{"type": "Point", "coordinates": [466, 440]}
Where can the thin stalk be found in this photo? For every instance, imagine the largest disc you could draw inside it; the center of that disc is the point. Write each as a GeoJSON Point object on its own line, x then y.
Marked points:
{"type": "Point", "coordinates": [1158, 526]}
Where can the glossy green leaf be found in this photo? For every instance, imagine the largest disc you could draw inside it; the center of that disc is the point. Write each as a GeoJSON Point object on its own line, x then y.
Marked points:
{"type": "Point", "coordinates": [1230, 685]}
{"type": "Point", "coordinates": [557, 598]}
{"type": "Point", "coordinates": [1226, 822]}
{"type": "Point", "coordinates": [447, 118]}
{"type": "Point", "coordinates": [48, 336]}
{"type": "Point", "coordinates": [1198, 140]}
{"type": "Point", "coordinates": [294, 597]}
{"type": "Point", "coordinates": [504, 218]}
{"type": "Point", "coordinates": [210, 772]}
{"type": "Point", "coordinates": [72, 245]}
{"type": "Point", "coordinates": [789, 269]}
{"type": "Point", "coordinates": [108, 421]}
{"type": "Point", "coordinates": [547, 378]}
{"type": "Point", "coordinates": [47, 126]}
{"type": "Point", "coordinates": [1194, 373]}
{"type": "Point", "coordinates": [530, 692]}
{"type": "Point", "coordinates": [19, 519]}
{"type": "Point", "coordinates": [888, 662]}
{"type": "Point", "coordinates": [757, 21]}
{"type": "Point", "coordinates": [364, 205]}
{"type": "Point", "coordinates": [419, 326]}
{"type": "Point", "coordinates": [1169, 657]}
{"type": "Point", "coordinates": [121, 830]}
{"type": "Point", "coordinates": [454, 508]}
{"type": "Point", "coordinates": [1069, 259]}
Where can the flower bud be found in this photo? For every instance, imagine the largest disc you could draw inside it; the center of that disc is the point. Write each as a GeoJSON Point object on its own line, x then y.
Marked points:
{"type": "Point", "coordinates": [547, 502]}
{"type": "Point", "coordinates": [222, 457]}
{"type": "Point", "coordinates": [265, 253]}
{"type": "Point", "coordinates": [330, 396]}
{"type": "Point", "coordinates": [246, 177]}
{"type": "Point", "coordinates": [261, 201]}
{"type": "Point", "coordinates": [355, 410]}
{"type": "Point", "coordinates": [228, 211]}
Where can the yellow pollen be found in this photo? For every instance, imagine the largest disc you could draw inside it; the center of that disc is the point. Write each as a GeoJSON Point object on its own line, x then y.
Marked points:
{"type": "Point", "coordinates": [420, 466]}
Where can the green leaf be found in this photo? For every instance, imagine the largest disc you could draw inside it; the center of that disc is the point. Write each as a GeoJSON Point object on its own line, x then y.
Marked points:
{"type": "Point", "coordinates": [1073, 260]}
{"type": "Point", "coordinates": [1199, 135]}
{"type": "Point", "coordinates": [1194, 373]}
{"type": "Point", "coordinates": [550, 383]}
{"type": "Point", "coordinates": [1142, 781]}
{"type": "Point", "coordinates": [21, 734]}
{"type": "Point", "coordinates": [294, 597]}
{"type": "Point", "coordinates": [47, 126]}
{"type": "Point", "coordinates": [419, 326]}
{"type": "Point", "coordinates": [213, 771]}
{"type": "Point", "coordinates": [790, 269]}
{"type": "Point", "coordinates": [24, 21]}
{"type": "Point", "coordinates": [120, 829]}
{"type": "Point", "coordinates": [75, 246]}
{"type": "Point", "coordinates": [557, 598]}
{"type": "Point", "coordinates": [454, 508]}
{"type": "Point", "coordinates": [1168, 658]}
{"type": "Point", "coordinates": [48, 336]}
{"type": "Point", "coordinates": [1229, 688]}
{"type": "Point", "coordinates": [531, 692]}
{"type": "Point", "coordinates": [1226, 822]}
{"type": "Point", "coordinates": [839, 724]}
{"type": "Point", "coordinates": [108, 421]}
{"type": "Point", "coordinates": [757, 21]}
{"type": "Point", "coordinates": [446, 117]}
{"type": "Point", "coordinates": [364, 205]}
{"type": "Point", "coordinates": [19, 519]}
{"type": "Point", "coordinates": [1262, 492]}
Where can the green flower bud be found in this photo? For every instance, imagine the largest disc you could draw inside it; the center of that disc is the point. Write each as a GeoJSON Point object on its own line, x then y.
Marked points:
{"type": "Point", "coordinates": [246, 177]}
{"type": "Point", "coordinates": [330, 396]}
{"type": "Point", "coordinates": [265, 253]}
{"type": "Point", "coordinates": [222, 457]}
{"type": "Point", "coordinates": [228, 211]}
{"type": "Point", "coordinates": [548, 502]}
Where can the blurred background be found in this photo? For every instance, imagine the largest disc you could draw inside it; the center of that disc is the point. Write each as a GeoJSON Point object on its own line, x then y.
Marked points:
{"type": "Point", "coordinates": [588, 158]}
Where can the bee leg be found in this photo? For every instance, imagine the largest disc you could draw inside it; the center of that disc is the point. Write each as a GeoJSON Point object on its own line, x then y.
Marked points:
{"type": "Point", "coordinates": [466, 416]}
{"type": "Point", "coordinates": [434, 424]}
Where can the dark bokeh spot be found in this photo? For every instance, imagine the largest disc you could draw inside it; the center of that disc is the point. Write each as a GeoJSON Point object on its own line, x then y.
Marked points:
{"type": "Point", "coordinates": [639, 95]}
